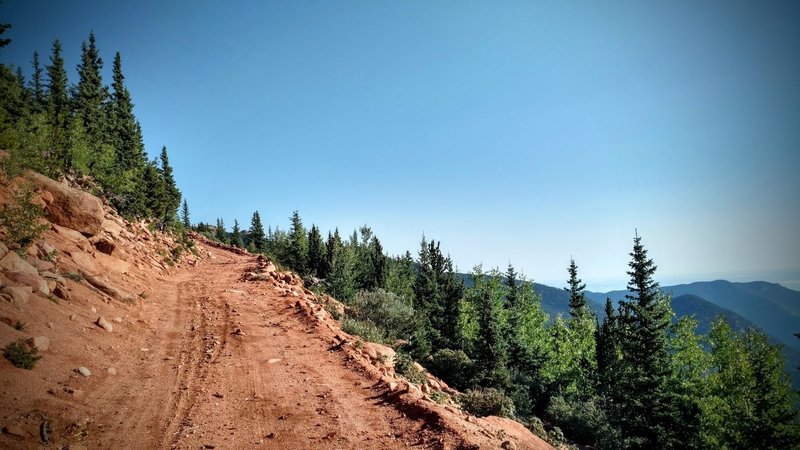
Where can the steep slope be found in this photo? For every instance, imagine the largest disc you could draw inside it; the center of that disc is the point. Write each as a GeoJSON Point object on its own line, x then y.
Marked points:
{"type": "Point", "coordinates": [216, 349]}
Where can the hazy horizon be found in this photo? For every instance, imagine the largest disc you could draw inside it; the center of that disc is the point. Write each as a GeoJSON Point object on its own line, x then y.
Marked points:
{"type": "Point", "coordinates": [520, 132]}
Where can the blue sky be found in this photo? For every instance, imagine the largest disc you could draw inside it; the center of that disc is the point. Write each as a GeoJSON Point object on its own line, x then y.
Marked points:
{"type": "Point", "coordinates": [526, 132]}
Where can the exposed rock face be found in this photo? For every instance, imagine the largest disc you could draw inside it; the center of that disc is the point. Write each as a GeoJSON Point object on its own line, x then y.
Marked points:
{"type": "Point", "coordinates": [70, 207]}
{"type": "Point", "coordinates": [37, 283]}
{"type": "Point", "coordinates": [13, 263]}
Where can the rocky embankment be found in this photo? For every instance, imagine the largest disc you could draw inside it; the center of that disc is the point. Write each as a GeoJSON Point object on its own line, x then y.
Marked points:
{"type": "Point", "coordinates": [144, 344]}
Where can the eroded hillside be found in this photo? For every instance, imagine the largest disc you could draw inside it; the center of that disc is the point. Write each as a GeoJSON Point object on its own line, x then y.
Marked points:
{"type": "Point", "coordinates": [143, 345]}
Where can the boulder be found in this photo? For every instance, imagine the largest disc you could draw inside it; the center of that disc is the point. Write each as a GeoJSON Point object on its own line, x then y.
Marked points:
{"type": "Point", "coordinates": [3, 250]}
{"type": "Point", "coordinates": [104, 324]}
{"type": "Point", "coordinates": [73, 236]}
{"type": "Point", "coordinates": [112, 264]}
{"type": "Point", "coordinates": [40, 343]}
{"type": "Point", "coordinates": [85, 262]}
{"type": "Point", "coordinates": [70, 207]}
{"type": "Point", "coordinates": [37, 283]}
{"type": "Point", "coordinates": [13, 263]}
{"type": "Point", "coordinates": [112, 228]}
{"type": "Point", "coordinates": [19, 294]}
{"type": "Point", "coordinates": [41, 265]}
{"type": "Point", "coordinates": [107, 288]}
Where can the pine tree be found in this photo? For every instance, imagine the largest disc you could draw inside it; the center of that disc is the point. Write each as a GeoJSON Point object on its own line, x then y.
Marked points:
{"type": "Point", "coordinates": [125, 135]}
{"type": "Point", "coordinates": [236, 235]}
{"type": "Point", "coordinates": [257, 233]}
{"type": "Point", "coordinates": [3, 28]}
{"type": "Point", "coordinates": [577, 299]}
{"type": "Point", "coordinates": [58, 107]}
{"type": "Point", "coordinates": [317, 253]}
{"type": "Point", "coordinates": [490, 348]}
{"type": "Point", "coordinates": [185, 216]}
{"type": "Point", "coordinates": [220, 234]}
{"type": "Point", "coordinates": [511, 282]}
{"type": "Point", "coordinates": [647, 415]}
{"type": "Point", "coordinates": [173, 195]}
{"type": "Point", "coordinates": [607, 351]}
{"type": "Point", "coordinates": [156, 200]}
{"type": "Point", "coordinates": [90, 94]}
{"type": "Point", "coordinates": [341, 273]}
{"type": "Point", "coordinates": [298, 245]}
{"type": "Point", "coordinates": [377, 260]}
{"type": "Point", "coordinates": [37, 86]}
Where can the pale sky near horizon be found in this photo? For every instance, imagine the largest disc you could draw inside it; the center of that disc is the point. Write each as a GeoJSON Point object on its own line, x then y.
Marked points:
{"type": "Point", "coordinates": [519, 131]}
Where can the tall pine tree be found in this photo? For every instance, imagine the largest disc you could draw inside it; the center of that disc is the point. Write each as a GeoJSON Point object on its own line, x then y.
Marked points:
{"type": "Point", "coordinates": [257, 233]}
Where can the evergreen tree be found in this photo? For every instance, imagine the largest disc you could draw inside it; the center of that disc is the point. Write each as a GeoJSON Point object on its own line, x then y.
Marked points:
{"type": "Point", "coordinates": [173, 195]}
{"type": "Point", "coordinates": [438, 293]}
{"type": "Point", "coordinates": [220, 234]}
{"type": "Point", "coordinates": [317, 253]}
{"type": "Point", "coordinates": [156, 201]}
{"type": "Point", "coordinates": [90, 94]}
{"type": "Point", "coordinates": [58, 106]}
{"type": "Point", "coordinates": [511, 282]}
{"type": "Point", "coordinates": [341, 264]}
{"type": "Point", "coordinates": [298, 245]}
{"type": "Point", "coordinates": [378, 262]}
{"type": "Point", "coordinates": [257, 233]}
{"type": "Point", "coordinates": [577, 299]}
{"type": "Point", "coordinates": [3, 28]}
{"type": "Point", "coordinates": [647, 414]}
{"type": "Point", "coordinates": [607, 352]}
{"type": "Point", "coordinates": [490, 346]}
{"type": "Point", "coordinates": [185, 216]}
{"type": "Point", "coordinates": [37, 86]}
{"type": "Point", "coordinates": [236, 235]}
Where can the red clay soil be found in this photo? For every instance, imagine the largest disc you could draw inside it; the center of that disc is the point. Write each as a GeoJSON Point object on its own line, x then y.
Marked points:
{"type": "Point", "coordinates": [209, 360]}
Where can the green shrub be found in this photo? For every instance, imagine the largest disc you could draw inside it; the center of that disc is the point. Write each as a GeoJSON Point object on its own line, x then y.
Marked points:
{"type": "Point", "coordinates": [439, 397]}
{"type": "Point", "coordinates": [393, 315]}
{"type": "Point", "coordinates": [20, 218]}
{"type": "Point", "coordinates": [74, 276]}
{"type": "Point", "coordinates": [404, 366]}
{"type": "Point", "coordinates": [21, 355]}
{"type": "Point", "coordinates": [583, 421]}
{"type": "Point", "coordinates": [452, 366]}
{"type": "Point", "coordinates": [487, 402]}
{"type": "Point", "coordinates": [366, 330]}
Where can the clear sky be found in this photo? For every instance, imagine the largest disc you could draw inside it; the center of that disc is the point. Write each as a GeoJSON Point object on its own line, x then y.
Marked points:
{"type": "Point", "coordinates": [511, 131]}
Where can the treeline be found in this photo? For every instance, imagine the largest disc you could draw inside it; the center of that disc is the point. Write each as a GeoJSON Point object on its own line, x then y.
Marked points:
{"type": "Point", "coordinates": [637, 379]}
{"type": "Point", "coordinates": [86, 130]}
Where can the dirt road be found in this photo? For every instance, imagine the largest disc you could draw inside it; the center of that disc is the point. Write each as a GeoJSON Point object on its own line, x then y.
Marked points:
{"type": "Point", "coordinates": [227, 364]}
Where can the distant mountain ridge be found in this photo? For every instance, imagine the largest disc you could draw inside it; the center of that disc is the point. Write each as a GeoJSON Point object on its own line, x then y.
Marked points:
{"type": "Point", "coordinates": [770, 306]}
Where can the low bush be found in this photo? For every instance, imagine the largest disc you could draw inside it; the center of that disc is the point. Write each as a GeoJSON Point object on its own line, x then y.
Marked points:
{"type": "Point", "coordinates": [21, 355]}
{"type": "Point", "coordinates": [404, 366]}
{"type": "Point", "coordinates": [20, 218]}
{"type": "Point", "coordinates": [487, 402]}
{"type": "Point", "coordinates": [583, 421]}
{"type": "Point", "coordinates": [366, 330]}
{"type": "Point", "coordinates": [452, 366]}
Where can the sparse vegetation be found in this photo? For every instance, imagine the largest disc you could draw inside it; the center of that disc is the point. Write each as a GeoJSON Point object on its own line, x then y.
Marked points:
{"type": "Point", "coordinates": [21, 355]}
{"type": "Point", "coordinates": [404, 366]}
{"type": "Point", "coordinates": [21, 219]}
{"type": "Point", "coordinates": [486, 402]}
{"type": "Point", "coordinates": [76, 277]}
{"type": "Point", "coordinates": [439, 397]}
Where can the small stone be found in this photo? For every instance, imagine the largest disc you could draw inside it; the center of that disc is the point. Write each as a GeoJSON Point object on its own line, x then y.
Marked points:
{"type": "Point", "coordinates": [273, 360]}
{"type": "Point", "coordinates": [94, 310]}
{"type": "Point", "coordinates": [112, 371]}
{"type": "Point", "coordinates": [40, 343]}
{"type": "Point", "coordinates": [104, 324]}
{"type": "Point", "coordinates": [14, 430]}
{"type": "Point", "coordinates": [51, 325]}
{"type": "Point", "coordinates": [77, 393]}
{"type": "Point", "coordinates": [508, 445]}
{"type": "Point", "coordinates": [73, 317]}
{"type": "Point", "coordinates": [84, 371]}
{"type": "Point", "coordinates": [117, 319]}
{"type": "Point", "coordinates": [271, 436]}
